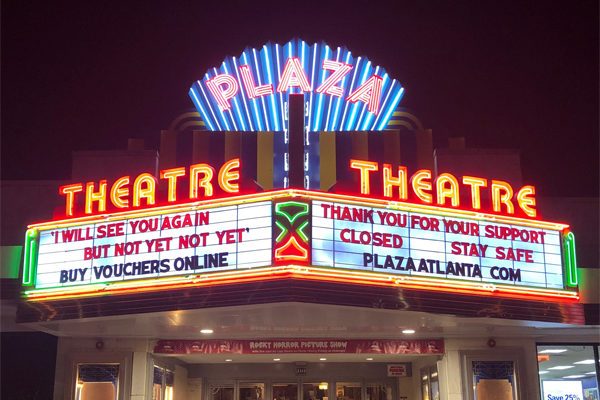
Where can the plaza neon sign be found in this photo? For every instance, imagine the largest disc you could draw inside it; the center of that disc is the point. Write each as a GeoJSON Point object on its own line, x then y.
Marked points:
{"type": "Point", "coordinates": [250, 92]}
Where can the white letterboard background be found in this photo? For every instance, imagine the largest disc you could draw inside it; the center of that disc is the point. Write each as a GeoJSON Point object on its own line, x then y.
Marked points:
{"type": "Point", "coordinates": [329, 250]}
{"type": "Point", "coordinates": [254, 250]}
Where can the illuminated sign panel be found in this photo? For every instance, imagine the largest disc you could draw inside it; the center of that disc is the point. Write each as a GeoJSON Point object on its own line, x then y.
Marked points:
{"type": "Point", "coordinates": [301, 234]}
{"type": "Point", "coordinates": [156, 246]}
{"type": "Point", "coordinates": [342, 92]}
{"type": "Point", "coordinates": [412, 243]}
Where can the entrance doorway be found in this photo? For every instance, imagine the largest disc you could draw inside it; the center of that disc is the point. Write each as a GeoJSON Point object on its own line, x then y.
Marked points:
{"type": "Point", "coordinates": [301, 388]}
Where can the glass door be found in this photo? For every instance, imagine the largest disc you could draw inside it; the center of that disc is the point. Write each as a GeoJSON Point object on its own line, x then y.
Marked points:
{"type": "Point", "coordinates": [220, 392]}
{"type": "Point", "coordinates": [285, 391]}
{"type": "Point", "coordinates": [378, 392]}
{"type": "Point", "coordinates": [252, 391]}
{"type": "Point", "coordinates": [348, 390]}
{"type": "Point", "coordinates": [315, 391]}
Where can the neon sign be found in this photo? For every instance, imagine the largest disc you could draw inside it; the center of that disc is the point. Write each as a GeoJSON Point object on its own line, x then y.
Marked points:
{"type": "Point", "coordinates": [143, 192]}
{"type": "Point", "coordinates": [446, 187]}
{"type": "Point", "coordinates": [309, 235]}
{"type": "Point", "coordinates": [342, 92]}
{"type": "Point", "coordinates": [199, 180]}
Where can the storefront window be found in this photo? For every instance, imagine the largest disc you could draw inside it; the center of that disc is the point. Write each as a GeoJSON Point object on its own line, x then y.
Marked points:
{"type": "Point", "coordinates": [494, 380]}
{"type": "Point", "coordinates": [252, 391]}
{"type": "Point", "coordinates": [285, 391]}
{"type": "Point", "coordinates": [348, 390]}
{"type": "Point", "coordinates": [97, 381]}
{"type": "Point", "coordinates": [568, 372]}
{"type": "Point", "coordinates": [315, 391]}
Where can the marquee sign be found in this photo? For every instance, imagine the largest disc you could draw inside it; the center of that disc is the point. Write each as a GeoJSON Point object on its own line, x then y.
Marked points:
{"type": "Point", "coordinates": [207, 224]}
{"type": "Point", "coordinates": [318, 235]}
{"type": "Point", "coordinates": [250, 92]}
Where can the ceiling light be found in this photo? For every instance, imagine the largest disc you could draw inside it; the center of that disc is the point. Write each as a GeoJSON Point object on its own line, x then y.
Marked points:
{"type": "Point", "coordinates": [408, 331]}
{"type": "Point", "coordinates": [323, 359]}
{"type": "Point", "coordinates": [228, 359]}
{"type": "Point", "coordinates": [552, 351]}
{"type": "Point", "coordinates": [277, 359]}
{"type": "Point", "coordinates": [562, 367]}
{"type": "Point", "coordinates": [542, 372]}
{"type": "Point", "coordinates": [206, 331]}
{"type": "Point", "coordinates": [590, 361]}
{"type": "Point", "coordinates": [573, 376]}
{"type": "Point", "coordinates": [591, 373]}
{"type": "Point", "coordinates": [369, 358]}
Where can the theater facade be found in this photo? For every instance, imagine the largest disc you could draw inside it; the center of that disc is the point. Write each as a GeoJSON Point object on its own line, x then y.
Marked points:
{"type": "Point", "coordinates": [307, 245]}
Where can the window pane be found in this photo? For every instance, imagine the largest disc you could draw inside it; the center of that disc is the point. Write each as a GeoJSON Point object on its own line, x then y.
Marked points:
{"type": "Point", "coordinates": [97, 381]}
{"type": "Point", "coordinates": [315, 391]}
{"type": "Point", "coordinates": [435, 390]}
{"type": "Point", "coordinates": [425, 391]}
{"type": "Point", "coordinates": [348, 390]}
{"type": "Point", "coordinates": [285, 391]}
{"type": "Point", "coordinates": [169, 382]}
{"type": "Point", "coordinates": [157, 383]}
{"type": "Point", "coordinates": [567, 371]}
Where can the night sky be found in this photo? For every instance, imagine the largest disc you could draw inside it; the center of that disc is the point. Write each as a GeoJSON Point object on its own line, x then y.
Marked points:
{"type": "Point", "coordinates": [517, 75]}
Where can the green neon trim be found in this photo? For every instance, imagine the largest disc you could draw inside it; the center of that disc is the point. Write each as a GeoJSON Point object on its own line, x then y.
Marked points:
{"type": "Point", "coordinates": [283, 231]}
{"type": "Point", "coordinates": [30, 257]}
{"type": "Point", "coordinates": [570, 259]}
{"type": "Point", "coordinates": [278, 210]}
{"type": "Point", "coordinates": [300, 231]}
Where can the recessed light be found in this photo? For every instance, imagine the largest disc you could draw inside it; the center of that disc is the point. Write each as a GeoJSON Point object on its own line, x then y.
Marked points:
{"type": "Point", "coordinates": [552, 351]}
{"type": "Point", "coordinates": [573, 376]}
{"type": "Point", "coordinates": [369, 358]}
{"type": "Point", "coordinates": [277, 359]}
{"type": "Point", "coordinates": [206, 331]}
{"type": "Point", "coordinates": [408, 331]}
{"type": "Point", "coordinates": [228, 359]}
{"type": "Point", "coordinates": [590, 361]}
{"type": "Point", "coordinates": [542, 372]}
{"type": "Point", "coordinates": [591, 373]}
{"type": "Point", "coordinates": [323, 359]}
{"type": "Point", "coordinates": [562, 367]}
